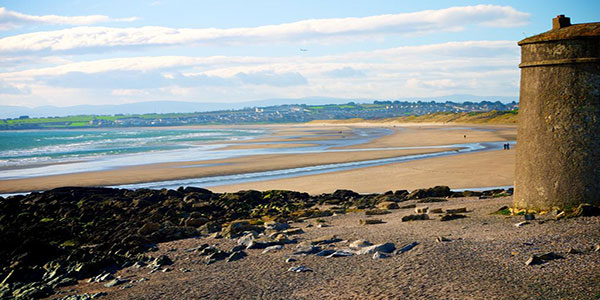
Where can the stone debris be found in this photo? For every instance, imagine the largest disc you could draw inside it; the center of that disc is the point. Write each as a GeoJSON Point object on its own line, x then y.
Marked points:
{"type": "Point", "coordinates": [521, 224]}
{"type": "Point", "coordinates": [370, 221]}
{"type": "Point", "coordinates": [299, 269]}
{"type": "Point", "coordinates": [415, 217]}
{"type": "Point", "coordinates": [421, 210]}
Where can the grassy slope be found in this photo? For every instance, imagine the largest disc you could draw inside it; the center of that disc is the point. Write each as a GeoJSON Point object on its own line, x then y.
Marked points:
{"type": "Point", "coordinates": [491, 117]}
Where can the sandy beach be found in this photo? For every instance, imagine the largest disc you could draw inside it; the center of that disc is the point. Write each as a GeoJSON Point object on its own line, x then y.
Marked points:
{"type": "Point", "coordinates": [492, 168]}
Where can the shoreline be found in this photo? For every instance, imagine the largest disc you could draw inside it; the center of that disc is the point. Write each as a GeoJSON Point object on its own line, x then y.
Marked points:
{"type": "Point", "coordinates": [300, 135]}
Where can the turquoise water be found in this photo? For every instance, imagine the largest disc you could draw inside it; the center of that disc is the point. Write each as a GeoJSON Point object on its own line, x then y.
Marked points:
{"type": "Point", "coordinates": [21, 148]}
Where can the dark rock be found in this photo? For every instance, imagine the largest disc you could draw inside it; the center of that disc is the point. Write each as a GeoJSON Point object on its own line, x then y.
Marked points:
{"type": "Point", "coordinates": [340, 253]}
{"type": "Point", "coordinates": [290, 259]}
{"type": "Point", "coordinates": [529, 217]}
{"type": "Point", "coordinates": [236, 256]}
{"type": "Point", "coordinates": [415, 217]}
{"type": "Point", "coordinates": [299, 269]}
{"type": "Point", "coordinates": [306, 250]}
{"type": "Point", "coordinates": [407, 247]}
{"type": "Point", "coordinates": [534, 260]}
{"type": "Point", "coordinates": [115, 282]}
{"type": "Point", "coordinates": [450, 217]}
{"type": "Point", "coordinates": [442, 239]}
{"type": "Point", "coordinates": [385, 248]}
{"type": "Point", "coordinates": [376, 212]}
{"type": "Point", "coordinates": [586, 210]}
{"type": "Point", "coordinates": [162, 260]}
{"type": "Point", "coordinates": [431, 200]}
{"type": "Point", "coordinates": [325, 252]}
{"type": "Point", "coordinates": [437, 191]}
{"type": "Point", "coordinates": [325, 240]}
{"type": "Point", "coordinates": [370, 221]}
{"type": "Point", "coordinates": [237, 248]}
{"type": "Point", "coordinates": [149, 228]}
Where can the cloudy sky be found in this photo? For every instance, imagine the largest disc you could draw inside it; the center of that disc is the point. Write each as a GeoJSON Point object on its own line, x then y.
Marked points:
{"type": "Point", "coordinates": [66, 53]}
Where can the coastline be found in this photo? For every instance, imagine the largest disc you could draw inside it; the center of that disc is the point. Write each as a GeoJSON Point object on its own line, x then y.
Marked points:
{"type": "Point", "coordinates": [416, 135]}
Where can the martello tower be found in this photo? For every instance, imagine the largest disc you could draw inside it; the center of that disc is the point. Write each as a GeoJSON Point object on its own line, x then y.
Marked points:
{"type": "Point", "coordinates": [558, 150]}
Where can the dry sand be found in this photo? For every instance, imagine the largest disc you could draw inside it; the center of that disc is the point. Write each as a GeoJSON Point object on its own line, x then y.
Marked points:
{"type": "Point", "coordinates": [485, 259]}
{"type": "Point", "coordinates": [489, 169]}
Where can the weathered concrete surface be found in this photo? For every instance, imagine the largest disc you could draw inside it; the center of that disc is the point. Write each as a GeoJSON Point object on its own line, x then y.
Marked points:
{"type": "Point", "coordinates": [558, 153]}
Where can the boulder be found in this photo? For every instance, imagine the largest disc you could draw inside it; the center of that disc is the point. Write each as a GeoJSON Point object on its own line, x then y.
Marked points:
{"type": "Point", "coordinates": [370, 221]}
{"type": "Point", "coordinates": [236, 256]}
{"type": "Point", "coordinates": [325, 240]}
{"type": "Point", "coordinates": [360, 244]}
{"type": "Point", "coordinates": [387, 205]}
{"type": "Point", "coordinates": [456, 210]}
{"type": "Point", "coordinates": [196, 222]}
{"type": "Point", "coordinates": [450, 217]}
{"type": "Point", "coordinates": [161, 260]}
{"type": "Point", "coordinates": [437, 191]}
{"type": "Point", "coordinates": [148, 228]}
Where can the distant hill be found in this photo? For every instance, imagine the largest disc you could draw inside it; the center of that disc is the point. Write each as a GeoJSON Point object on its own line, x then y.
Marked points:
{"type": "Point", "coordinates": [490, 117]}
{"type": "Point", "coordinates": [183, 107]}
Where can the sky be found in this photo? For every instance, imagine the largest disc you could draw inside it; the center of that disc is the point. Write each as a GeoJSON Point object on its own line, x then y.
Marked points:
{"type": "Point", "coordinates": [66, 53]}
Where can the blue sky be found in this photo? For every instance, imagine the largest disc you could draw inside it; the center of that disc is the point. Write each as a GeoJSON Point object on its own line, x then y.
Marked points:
{"type": "Point", "coordinates": [108, 52]}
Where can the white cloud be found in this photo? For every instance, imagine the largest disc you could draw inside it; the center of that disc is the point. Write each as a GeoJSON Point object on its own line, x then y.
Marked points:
{"type": "Point", "coordinates": [472, 67]}
{"type": "Point", "coordinates": [313, 30]}
{"type": "Point", "coordinates": [12, 19]}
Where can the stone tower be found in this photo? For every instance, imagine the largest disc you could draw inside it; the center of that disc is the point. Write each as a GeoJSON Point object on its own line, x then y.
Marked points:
{"type": "Point", "coordinates": [558, 150]}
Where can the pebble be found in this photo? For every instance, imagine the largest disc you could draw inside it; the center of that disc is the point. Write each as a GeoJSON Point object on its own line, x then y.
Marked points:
{"type": "Point", "coordinates": [573, 251]}
{"type": "Point", "coordinates": [442, 239]}
{"type": "Point", "coordinates": [299, 269]}
{"type": "Point", "coordinates": [272, 248]}
{"type": "Point", "coordinates": [360, 244]}
{"type": "Point", "coordinates": [379, 255]}
{"type": "Point", "coordinates": [236, 256]}
{"type": "Point", "coordinates": [529, 217]}
{"type": "Point", "coordinates": [407, 247]}
{"type": "Point", "coordinates": [291, 259]}
{"type": "Point", "coordinates": [116, 282]}
{"type": "Point", "coordinates": [386, 248]}
{"type": "Point", "coordinates": [340, 253]}
{"type": "Point", "coordinates": [421, 210]}
{"type": "Point", "coordinates": [520, 224]}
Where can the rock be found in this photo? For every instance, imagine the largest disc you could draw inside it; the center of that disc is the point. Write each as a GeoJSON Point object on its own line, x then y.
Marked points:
{"type": "Point", "coordinates": [442, 239]}
{"type": "Point", "coordinates": [272, 248]}
{"type": "Point", "coordinates": [148, 228]}
{"type": "Point", "coordinates": [456, 210]}
{"type": "Point", "coordinates": [421, 210]}
{"type": "Point", "coordinates": [290, 259]}
{"type": "Point", "coordinates": [196, 222]}
{"type": "Point", "coordinates": [438, 191]}
{"type": "Point", "coordinates": [529, 217]}
{"type": "Point", "coordinates": [385, 248]}
{"type": "Point", "coordinates": [340, 253]}
{"type": "Point", "coordinates": [431, 200]}
{"type": "Point", "coordinates": [534, 260]}
{"type": "Point", "coordinates": [408, 206]}
{"type": "Point", "coordinates": [549, 256]}
{"type": "Point", "coordinates": [597, 249]}
{"type": "Point", "coordinates": [101, 277]}
{"type": "Point", "coordinates": [325, 252]}
{"type": "Point", "coordinates": [370, 221]}
{"type": "Point", "coordinates": [586, 210]}
{"type": "Point", "coordinates": [415, 217]}
{"type": "Point", "coordinates": [325, 240]}
{"type": "Point", "coordinates": [406, 247]}
{"type": "Point", "coordinates": [436, 211]}
{"type": "Point", "coordinates": [293, 231]}
{"type": "Point", "coordinates": [521, 224]}
{"type": "Point", "coordinates": [376, 212]}
{"type": "Point", "coordinates": [236, 256]}
{"type": "Point", "coordinates": [573, 251]}
{"type": "Point", "coordinates": [277, 226]}
{"type": "Point", "coordinates": [115, 282]}
{"type": "Point", "coordinates": [238, 248]}
{"type": "Point", "coordinates": [217, 256]}
{"type": "Point", "coordinates": [262, 243]}
{"type": "Point", "coordinates": [299, 269]}
{"type": "Point", "coordinates": [208, 250]}
{"type": "Point", "coordinates": [160, 261]}
{"type": "Point", "coordinates": [450, 217]}
{"type": "Point", "coordinates": [360, 244]}
{"type": "Point", "coordinates": [387, 205]}
{"type": "Point", "coordinates": [246, 239]}
{"type": "Point", "coordinates": [306, 250]}
{"type": "Point", "coordinates": [379, 255]}
{"type": "Point", "coordinates": [236, 227]}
